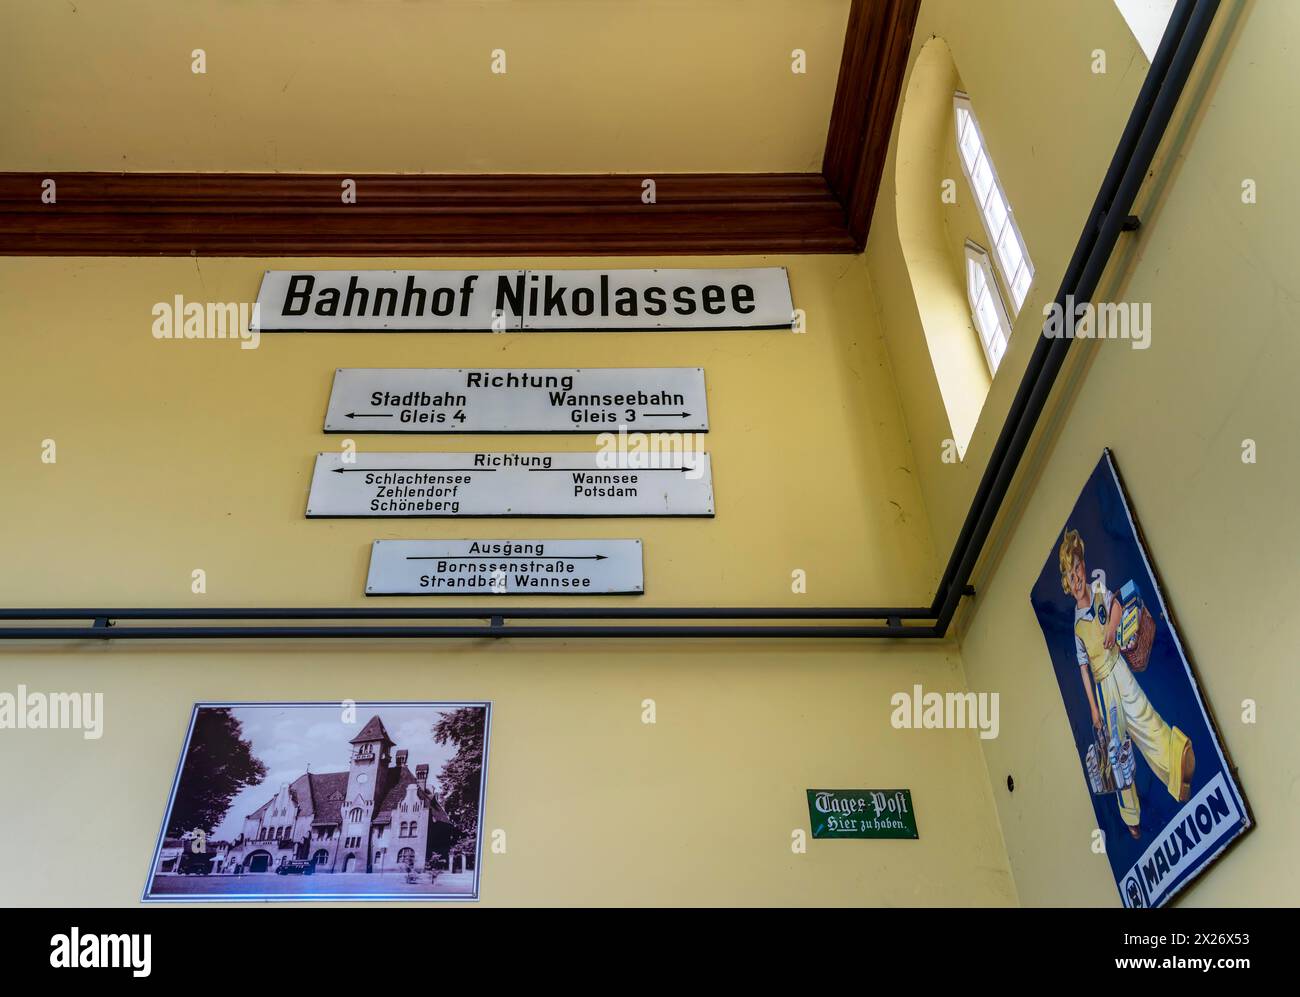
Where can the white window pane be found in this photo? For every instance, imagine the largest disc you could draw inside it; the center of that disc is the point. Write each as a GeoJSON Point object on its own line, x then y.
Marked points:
{"type": "Point", "coordinates": [981, 177]}
{"type": "Point", "coordinates": [1009, 251]}
{"type": "Point", "coordinates": [988, 317]}
{"type": "Point", "coordinates": [996, 349]}
{"type": "Point", "coordinates": [1020, 285]}
{"type": "Point", "coordinates": [996, 209]}
{"type": "Point", "coordinates": [970, 143]}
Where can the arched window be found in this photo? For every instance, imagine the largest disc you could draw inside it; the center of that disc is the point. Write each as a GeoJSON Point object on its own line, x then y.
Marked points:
{"type": "Point", "coordinates": [986, 307]}
{"type": "Point", "coordinates": [406, 857]}
{"type": "Point", "coordinates": [932, 232]}
{"type": "Point", "coordinates": [320, 858]}
{"type": "Point", "coordinates": [354, 815]}
{"type": "Point", "coordinates": [261, 834]}
{"type": "Point", "coordinates": [995, 210]}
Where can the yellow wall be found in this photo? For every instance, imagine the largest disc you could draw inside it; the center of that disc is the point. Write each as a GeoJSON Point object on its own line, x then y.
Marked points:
{"type": "Point", "coordinates": [591, 86]}
{"type": "Point", "coordinates": [181, 455]}
{"type": "Point", "coordinates": [1220, 278]}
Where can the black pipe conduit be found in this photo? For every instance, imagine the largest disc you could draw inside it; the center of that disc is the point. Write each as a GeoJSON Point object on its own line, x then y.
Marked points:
{"type": "Point", "coordinates": [1152, 111]}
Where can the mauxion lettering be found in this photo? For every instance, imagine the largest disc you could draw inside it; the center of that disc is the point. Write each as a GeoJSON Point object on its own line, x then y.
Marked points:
{"type": "Point", "coordinates": [1182, 837]}
{"type": "Point", "coordinates": [531, 295]}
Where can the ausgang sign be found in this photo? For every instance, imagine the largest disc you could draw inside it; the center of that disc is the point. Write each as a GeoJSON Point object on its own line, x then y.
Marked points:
{"type": "Point", "coordinates": [438, 485]}
{"type": "Point", "coordinates": [505, 567]}
{"type": "Point", "coordinates": [517, 401]}
{"type": "Point", "coordinates": [523, 300]}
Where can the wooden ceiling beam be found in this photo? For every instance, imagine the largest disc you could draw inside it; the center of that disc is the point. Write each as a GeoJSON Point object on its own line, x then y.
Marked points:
{"type": "Point", "coordinates": [303, 214]}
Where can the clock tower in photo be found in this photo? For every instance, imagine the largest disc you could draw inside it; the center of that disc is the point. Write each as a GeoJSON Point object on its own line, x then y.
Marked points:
{"type": "Point", "coordinates": [371, 757]}
{"type": "Point", "coordinates": [368, 772]}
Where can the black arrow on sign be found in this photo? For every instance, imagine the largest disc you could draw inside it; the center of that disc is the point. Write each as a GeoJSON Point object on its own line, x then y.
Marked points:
{"type": "Point", "coordinates": [598, 471]}
{"type": "Point", "coordinates": [370, 415]}
{"type": "Point", "coordinates": [667, 415]}
{"type": "Point", "coordinates": [457, 470]}
{"type": "Point", "coordinates": [505, 557]}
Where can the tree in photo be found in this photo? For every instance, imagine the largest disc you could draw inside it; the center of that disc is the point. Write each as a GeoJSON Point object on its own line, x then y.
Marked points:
{"type": "Point", "coordinates": [461, 777]}
{"type": "Point", "coordinates": [218, 766]}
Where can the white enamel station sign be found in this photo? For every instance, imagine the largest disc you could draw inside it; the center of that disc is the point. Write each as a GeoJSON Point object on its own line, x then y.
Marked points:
{"type": "Point", "coordinates": [505, 567]}
{"type": "Point", "coordinates": [370, 400]}
{"type": "Point", "coordinates": [443, 485]}
{"type": "Point", "coordinates": [523, 300]}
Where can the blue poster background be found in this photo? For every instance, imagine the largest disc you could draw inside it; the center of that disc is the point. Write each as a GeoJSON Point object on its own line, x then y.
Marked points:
{"type": "Point", "coordinates": [1111, 543]}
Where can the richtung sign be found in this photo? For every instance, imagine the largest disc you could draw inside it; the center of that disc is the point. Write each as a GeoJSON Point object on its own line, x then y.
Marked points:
{"type": "Point", "coordinates": [438, 485]}
{"type": "Point", "coordinates": [517, 401]}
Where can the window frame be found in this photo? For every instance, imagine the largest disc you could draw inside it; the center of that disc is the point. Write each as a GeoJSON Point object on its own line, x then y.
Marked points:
{"type": "Point", "coordinates": [979, 257]}
{"type": "Point", "coordinates": [961, 103]}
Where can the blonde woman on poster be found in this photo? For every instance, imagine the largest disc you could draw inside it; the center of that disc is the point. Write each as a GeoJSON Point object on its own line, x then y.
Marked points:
{"type": "Point", "coordinates": [1122, 716]}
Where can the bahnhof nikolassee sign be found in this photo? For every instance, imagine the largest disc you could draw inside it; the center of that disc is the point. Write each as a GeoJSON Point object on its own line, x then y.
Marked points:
{"type": "Point", "coordinates": [523, 300]}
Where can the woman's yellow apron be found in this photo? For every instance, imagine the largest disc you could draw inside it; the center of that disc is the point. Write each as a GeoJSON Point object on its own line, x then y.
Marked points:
{"type": "Point", "coordinates": [1161, 745]}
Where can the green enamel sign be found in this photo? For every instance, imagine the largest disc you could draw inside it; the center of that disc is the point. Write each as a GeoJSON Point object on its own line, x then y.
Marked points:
{"type": "Point", "coordinates": [861, 813]}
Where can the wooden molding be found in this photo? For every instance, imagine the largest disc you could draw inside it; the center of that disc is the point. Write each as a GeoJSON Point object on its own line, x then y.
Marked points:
{"type": "Point", "coordinates": [876, 46]}
{"type": "Point", "coordinates": [232, 214]}
{"type": "Point", "coordinates": [302, 214]}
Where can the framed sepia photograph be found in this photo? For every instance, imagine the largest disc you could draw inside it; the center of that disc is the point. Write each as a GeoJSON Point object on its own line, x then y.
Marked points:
{"type": "Point", "coordinates": [325, 801]}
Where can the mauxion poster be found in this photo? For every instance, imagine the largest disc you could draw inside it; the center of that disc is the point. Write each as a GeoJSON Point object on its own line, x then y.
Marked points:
{"type": "Point", "coordinates": [325, 801]}
{"type": "Point", "coordinates": [1163, 791]}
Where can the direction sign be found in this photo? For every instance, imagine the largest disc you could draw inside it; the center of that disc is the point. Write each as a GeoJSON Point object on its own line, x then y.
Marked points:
{"type": "Point", "coordinates": [505, 567]}
{"type": "Point", "coordinates": [376, 400]}
{"type": "Point", "coordinates": [439, 485]}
